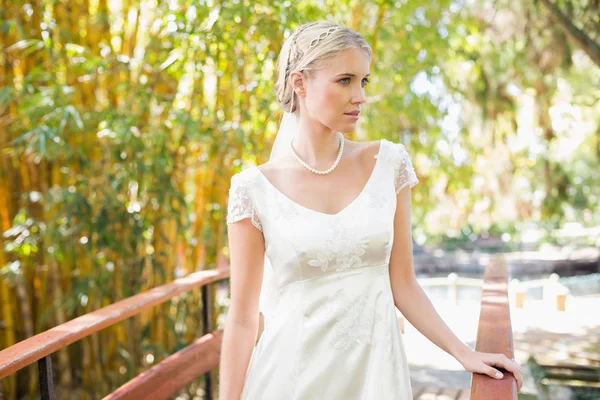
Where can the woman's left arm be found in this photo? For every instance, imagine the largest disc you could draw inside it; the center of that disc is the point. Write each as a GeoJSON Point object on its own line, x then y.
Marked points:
{"type": "Point", "coordinates": [416, 307]}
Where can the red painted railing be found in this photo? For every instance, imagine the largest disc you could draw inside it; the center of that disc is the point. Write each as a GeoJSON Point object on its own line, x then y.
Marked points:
{"type": "Point", "coordinates": [494, 334]}
{"type": "Point", "coordinates": [197, 359]}
{"type": "Point", "coordinates": [201, 357]}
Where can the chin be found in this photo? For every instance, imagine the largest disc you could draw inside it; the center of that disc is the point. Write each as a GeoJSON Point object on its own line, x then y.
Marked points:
{"type": "Point", "coordinates": [347, 128]}
{"type": "Point", "coordinates": [343, 126]}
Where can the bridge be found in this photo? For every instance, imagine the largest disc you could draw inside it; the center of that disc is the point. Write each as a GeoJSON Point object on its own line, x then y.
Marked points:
{"type": "Point", "coordinates": [201, 358]}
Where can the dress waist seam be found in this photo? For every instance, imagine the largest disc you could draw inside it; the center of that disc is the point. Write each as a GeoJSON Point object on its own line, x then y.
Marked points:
{"type": "Point", "coordinates": [281, 289]}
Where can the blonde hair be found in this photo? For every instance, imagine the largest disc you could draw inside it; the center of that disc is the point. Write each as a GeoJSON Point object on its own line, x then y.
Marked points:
{"type": "Point", "coordinates": [306, 49]}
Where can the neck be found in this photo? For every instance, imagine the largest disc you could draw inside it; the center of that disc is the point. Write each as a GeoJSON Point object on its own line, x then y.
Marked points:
{"type": "Point", "coordinates": [316, 144]}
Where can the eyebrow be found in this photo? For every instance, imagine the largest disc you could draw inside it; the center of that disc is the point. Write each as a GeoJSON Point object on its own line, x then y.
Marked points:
{"type": "Point", "coordinates": [348, 74]}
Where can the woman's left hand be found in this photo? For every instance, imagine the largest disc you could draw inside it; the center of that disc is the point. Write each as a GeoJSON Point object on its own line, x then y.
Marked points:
{"type": "Point", "coordinates": [484, 363]}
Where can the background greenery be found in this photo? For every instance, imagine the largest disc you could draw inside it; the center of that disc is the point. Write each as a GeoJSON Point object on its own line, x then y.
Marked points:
{"type": "Point", "coordinates": [122, 121]}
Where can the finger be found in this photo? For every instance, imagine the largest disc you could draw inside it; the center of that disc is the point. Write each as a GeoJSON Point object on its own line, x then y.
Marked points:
{"type": "Point", "coordinates": [500, 360]}
{"type": "Point", "coordinates": [519, 378]}
{"type": "Point", "coordinates": [512, 366]}
{"type": "Point", "coordinates": [509, 364]}
{"type": "Point", "coordinates": [492, 372]}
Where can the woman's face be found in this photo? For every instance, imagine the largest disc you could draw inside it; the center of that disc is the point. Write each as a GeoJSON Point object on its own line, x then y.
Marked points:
{"type": "Point", "coordinates": [338, 89]}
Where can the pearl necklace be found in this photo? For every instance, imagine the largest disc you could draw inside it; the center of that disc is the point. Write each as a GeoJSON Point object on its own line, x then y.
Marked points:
{"type": "Point", "coordinates": [316, 171]}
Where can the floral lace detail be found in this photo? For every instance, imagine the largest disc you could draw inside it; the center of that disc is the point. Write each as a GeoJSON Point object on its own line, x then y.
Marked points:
{"type": "Point", "coordinates": [342, 251]}
{"type": "Point", "coordinates": [356, 321]}
{"type": "Point", "coordinates": [241, 204]}
{"type": "Point", "coordinates": [278, 209]}
{"type": "Point", "coordinates": [397, 156]}
{"type": "Point", "coordinates": [376, 199]}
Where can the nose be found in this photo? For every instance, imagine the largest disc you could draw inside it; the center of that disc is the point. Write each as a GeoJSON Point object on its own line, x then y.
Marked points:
{"type": "Point", "coordinates": [359, 96]}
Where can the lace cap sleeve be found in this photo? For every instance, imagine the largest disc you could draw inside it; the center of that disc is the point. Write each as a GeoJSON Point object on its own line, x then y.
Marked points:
{"type": "Point", "coordinates": [241, 202]}
{"type": "Point", "coordinates": [404, 172]}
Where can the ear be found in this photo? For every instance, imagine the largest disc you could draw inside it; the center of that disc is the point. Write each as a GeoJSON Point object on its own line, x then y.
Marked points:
{"type": "Point", "coordinates": [298, 82]}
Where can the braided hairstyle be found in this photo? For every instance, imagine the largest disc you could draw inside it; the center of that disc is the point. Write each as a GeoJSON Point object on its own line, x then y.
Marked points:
{"type": "Point", "coordinates": [309, 46]}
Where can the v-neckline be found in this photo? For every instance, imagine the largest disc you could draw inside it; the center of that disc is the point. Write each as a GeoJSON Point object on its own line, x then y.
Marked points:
{"type": "Point", "coordinates": [355, 200]}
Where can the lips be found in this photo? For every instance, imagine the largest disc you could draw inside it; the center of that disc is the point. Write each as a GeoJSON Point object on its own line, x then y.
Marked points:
{"type": "Point", "coordinates": [355, 113]}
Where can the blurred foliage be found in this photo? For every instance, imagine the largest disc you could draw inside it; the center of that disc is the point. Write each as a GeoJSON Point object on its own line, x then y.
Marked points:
{"type": "Point", "coordinates": [121, 124]}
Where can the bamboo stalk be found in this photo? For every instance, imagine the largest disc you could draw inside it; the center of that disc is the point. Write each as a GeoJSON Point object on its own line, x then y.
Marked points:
{"type": "Point", "coordinates": [8, 330]}
{"type": "Point", "coordinates": [27, 322]}
{"type": "Point", "coordinates": [64, 364]}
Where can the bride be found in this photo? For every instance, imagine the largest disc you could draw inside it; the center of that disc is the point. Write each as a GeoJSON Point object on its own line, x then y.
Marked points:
{"type": "Point", "coordinates": [320, 244]}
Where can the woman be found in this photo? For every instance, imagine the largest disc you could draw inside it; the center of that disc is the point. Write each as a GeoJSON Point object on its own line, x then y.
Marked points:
{"type": "Point", "coordinates": [320, 235]}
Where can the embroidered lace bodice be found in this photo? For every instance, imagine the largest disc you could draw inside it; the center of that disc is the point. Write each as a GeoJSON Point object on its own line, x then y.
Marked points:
{"type": "Point", "coordinates": [334, 333]}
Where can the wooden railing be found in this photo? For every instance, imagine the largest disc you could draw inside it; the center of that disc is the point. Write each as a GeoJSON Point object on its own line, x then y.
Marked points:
{"type": "Point", "coordinates": [494, 333]}
{"type": "Point", "coordinates": [554, 292]}
{"type": "Point", "coordinates": [161, 381]}
{"type": "Point", "coordinates": [202, 356]}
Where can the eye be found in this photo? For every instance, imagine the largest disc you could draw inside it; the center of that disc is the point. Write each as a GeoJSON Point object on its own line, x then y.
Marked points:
{"type": "Point", "coordinates": [365, 81]}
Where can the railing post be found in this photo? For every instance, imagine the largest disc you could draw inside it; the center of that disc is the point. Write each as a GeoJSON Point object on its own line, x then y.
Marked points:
{"type": "Point", "coordinates": [45, 378]}
{"type": "Point", "coordinates": [517, 292]}
{"type": "Point", "coordinates": [207, 329]}
{"type": "Point", "coordinates": [453, 288]}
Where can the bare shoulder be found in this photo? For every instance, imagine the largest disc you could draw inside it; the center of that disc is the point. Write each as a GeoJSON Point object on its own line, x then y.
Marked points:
{"type": "Point", "coordinates": [272, 168]}
{"type": "Point", "coordinates": [365, 150]}
{"type": "Point", "coordinates": [273, 165]}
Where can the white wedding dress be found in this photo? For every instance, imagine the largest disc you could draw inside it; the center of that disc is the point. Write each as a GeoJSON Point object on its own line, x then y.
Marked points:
{"type": "Point", "coordinates": [334, 333]}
